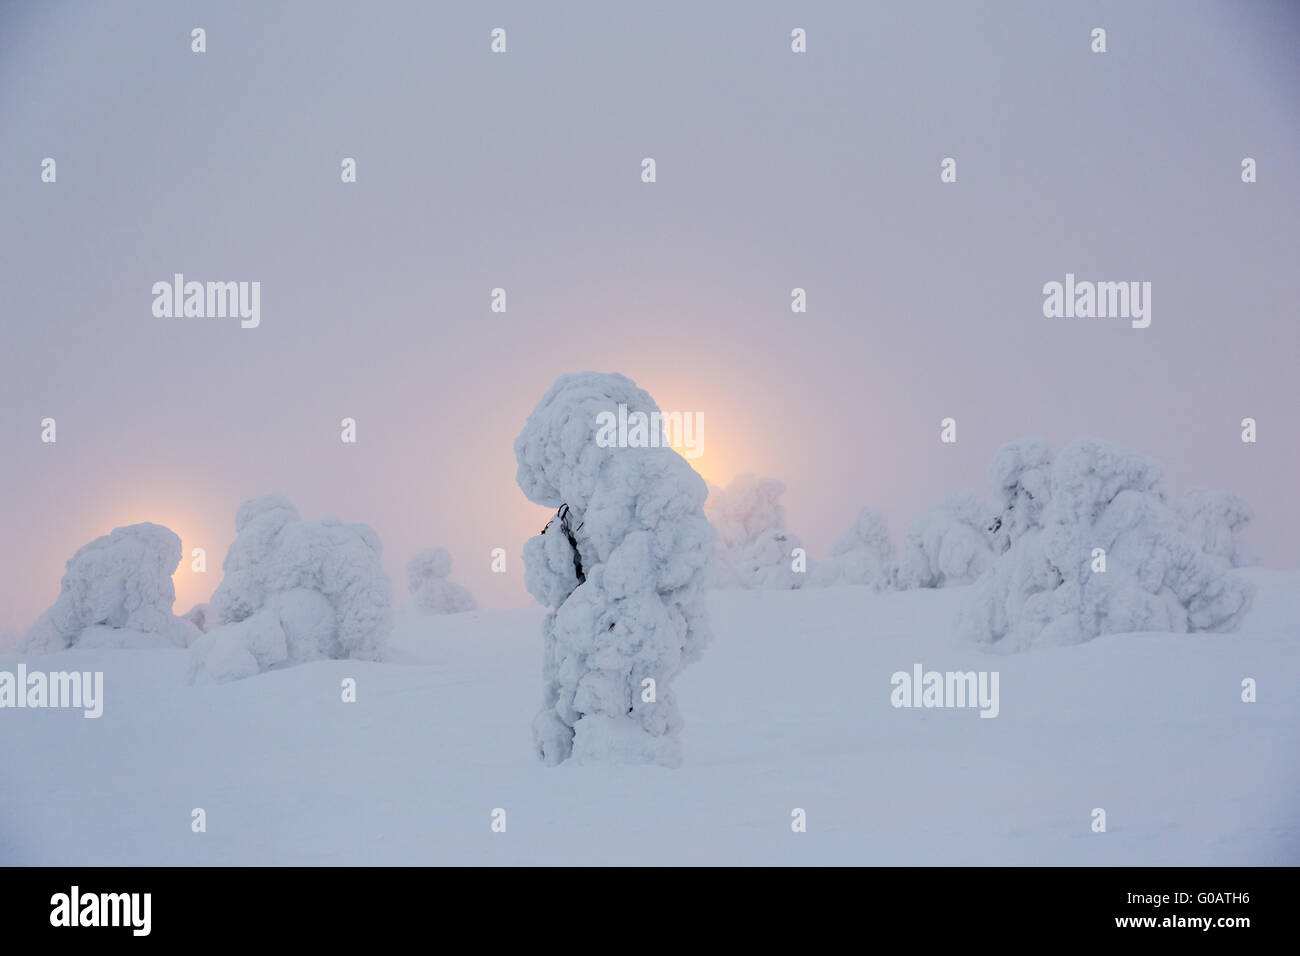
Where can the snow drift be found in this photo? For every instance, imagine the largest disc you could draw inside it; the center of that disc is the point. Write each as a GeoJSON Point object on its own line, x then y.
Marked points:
{"type": "Point", "coordinates": [294, 591]}
{"type": "Point", "coordinates": [622, 566]}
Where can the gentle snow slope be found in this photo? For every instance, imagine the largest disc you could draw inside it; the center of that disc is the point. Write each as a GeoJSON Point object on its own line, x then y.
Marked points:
{"type": "Point", "coordinates": [789, 707]}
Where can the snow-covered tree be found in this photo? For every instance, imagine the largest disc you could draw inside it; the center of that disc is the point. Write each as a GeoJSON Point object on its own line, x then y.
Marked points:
{"type": "Point", "coordinates": [754, 548]}
{"type": "Point", "coordinates": [622, 565]}
{"type": "Point", "coordinates": [431, 592]}
{"type": "Point", "coordinates": [1106, 554]}
{"type": "Point", "coordinates": [861, 555]}
{"type": "Point", "coordinates": [1021, 477]}
{"type": "Point", "coordinates": [294, 591]}
{"type": "Point", "coordinates": [947, 545]}
{"type": "Point", "coordinates": [201, 616]}
{"type": "Point", "coordinates": [1215, 518]}
{"type": "Point", "coordinates": [768, 562]}
{"type": "Point", "coordinates": [122, 580]}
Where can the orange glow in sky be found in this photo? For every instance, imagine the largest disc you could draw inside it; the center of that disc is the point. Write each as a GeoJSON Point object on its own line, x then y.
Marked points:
{"type": "Point", "coordinates": [709, 467]}
{"type": "Point", "coordinates": [191, 586]}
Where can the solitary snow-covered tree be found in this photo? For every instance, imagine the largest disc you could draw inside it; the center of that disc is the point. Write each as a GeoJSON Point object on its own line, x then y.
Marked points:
{"type": "Point", "coordinates": [1106, 554]}
{"type": "Point", "coordinates": [1215, 518]}
{"type": "Point", "coordinates": [622, 566]}
{"type": "Point", "coordinates": [431, 592]}
{"type": "Point", "coordinates": [947, 545]}
{"type": "Point", "coordinates": [121, 581]}
{"type": "Point", "coordinates": [294, 591]}
{"type": "Point", "coordinates": [754, 548]}
{"type": "Point", "coordinates": [860, 556]}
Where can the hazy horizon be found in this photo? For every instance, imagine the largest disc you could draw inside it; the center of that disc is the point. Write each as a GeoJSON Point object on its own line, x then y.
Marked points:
{"type": "Point", "coordinates": [523, 171]}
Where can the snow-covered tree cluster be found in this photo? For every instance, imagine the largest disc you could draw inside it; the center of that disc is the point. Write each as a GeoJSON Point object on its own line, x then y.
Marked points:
{"type": "Point", "coordinates": [622, 565]}
{"type": "Point", "coordinates": [1091, 545]}
{"type": "Point", "coordinates": [947, 545]}
{"type": "Point", "coordinates": [431, 591]}
{"type": "Point", "coordinates": [863, 555]}
{"type": "Point", "coordinates": [123, 582]}
{"type": "Point", "coordinates": [293, 591]}
{"type": "Point", "coordinates": [754, 548]}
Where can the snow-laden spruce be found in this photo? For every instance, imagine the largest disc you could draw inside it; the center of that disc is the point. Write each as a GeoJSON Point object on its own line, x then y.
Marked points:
{"type": "Point", "coordinates": [121, 581]}
{"type": "Point", "coordinates": [862, 555]}
{"type": "Point", "coordinates": [754, 548]}
{"type": "Point", "coordinates": [431, 592]}
{"type": "Point", "coordinates": [1094, 547]}
{"type": "Point", "coordinates": [947, 545]}
{"type": "Point", "coordinates": [622, 565]}
{"type": "Point", "coordinates": [294, 591]}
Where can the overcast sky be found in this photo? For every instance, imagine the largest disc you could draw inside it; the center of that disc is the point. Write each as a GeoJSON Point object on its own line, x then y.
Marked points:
{"type": "Point", "coordinates": [523, 171]}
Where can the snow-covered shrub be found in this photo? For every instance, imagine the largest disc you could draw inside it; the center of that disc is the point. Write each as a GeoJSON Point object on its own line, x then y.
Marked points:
{"type": "Point", "coordinates": [946, 545]}
{"type": "Point", "coordinates": [754, 548]}
{"type": "Point", "coordinates": [120, 580]}
{"type": "Point", "coordinates": [1214, 518]}
{"type": "Point", "coordinates": [622, 564]}
{"type": "Point", "coordinates": [294, 591]}
{"type": "Point", "coordinates": [860, 556]}
{"type": "Point", "coordinates": [1049, 586]}
{"type": "Point", "coordinates": [431, 592]}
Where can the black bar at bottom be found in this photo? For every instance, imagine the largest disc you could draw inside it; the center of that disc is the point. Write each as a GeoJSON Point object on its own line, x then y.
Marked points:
{"type": "Point", "coordinates": [657, 905]}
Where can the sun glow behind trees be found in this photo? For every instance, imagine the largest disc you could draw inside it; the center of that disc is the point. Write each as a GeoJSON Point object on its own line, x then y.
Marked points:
{"type": "Point", "coordinates": [192, 586]}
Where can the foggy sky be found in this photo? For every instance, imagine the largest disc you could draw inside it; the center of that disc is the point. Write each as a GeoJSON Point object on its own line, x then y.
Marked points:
{"type": "Point", "coordinates": [522, 171]}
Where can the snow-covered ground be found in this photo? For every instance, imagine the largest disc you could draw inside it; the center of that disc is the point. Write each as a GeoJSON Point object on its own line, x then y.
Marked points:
{"type": "Point", "coordinates": [789, 708]}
